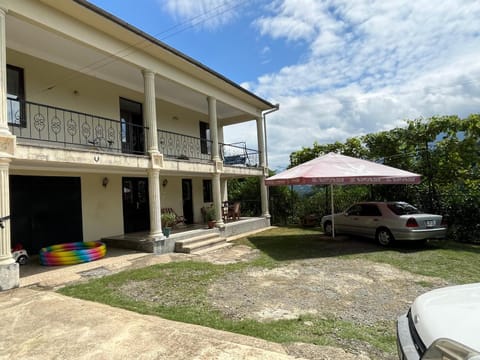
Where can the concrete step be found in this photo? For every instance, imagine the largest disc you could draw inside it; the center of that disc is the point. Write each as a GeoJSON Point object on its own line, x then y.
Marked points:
{"type": "Point", "coordinates": [218, 246]}
{"type": "Point", "coordinates": [203, 243]}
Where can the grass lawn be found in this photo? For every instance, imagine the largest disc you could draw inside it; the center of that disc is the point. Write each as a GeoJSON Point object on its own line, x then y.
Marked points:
{"type": "Point", "coordinates": [178, 290]}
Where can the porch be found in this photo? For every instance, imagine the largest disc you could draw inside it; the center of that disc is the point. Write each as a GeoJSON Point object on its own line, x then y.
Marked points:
{"type": "Point", "coordinates": [142, 241]}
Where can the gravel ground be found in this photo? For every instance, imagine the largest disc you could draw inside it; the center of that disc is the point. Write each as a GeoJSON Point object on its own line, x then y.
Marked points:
{"type": "Point", "coordinates": [354, 290]}
{"type": "Point", "coordinates": [358, 291]}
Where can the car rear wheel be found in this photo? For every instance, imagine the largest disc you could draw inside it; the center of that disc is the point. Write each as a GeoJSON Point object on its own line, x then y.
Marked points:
{"type": "Point", "coordinates": [327, 227]}
{"type": "Point", "coordinates": [384, 237]}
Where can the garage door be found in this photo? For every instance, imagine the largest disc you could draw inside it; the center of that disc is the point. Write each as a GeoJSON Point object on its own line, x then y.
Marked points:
{"type": "Point", "coordinates": [45, 211]}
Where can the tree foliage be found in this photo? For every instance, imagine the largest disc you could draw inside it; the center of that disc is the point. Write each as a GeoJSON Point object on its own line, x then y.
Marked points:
{"type": "Point", "coordinates": [445, 150]}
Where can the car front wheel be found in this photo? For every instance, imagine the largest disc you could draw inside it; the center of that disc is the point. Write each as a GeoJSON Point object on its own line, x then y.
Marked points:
{"type": "Point", "coordinates": [384, 237]}
{"type": "Point", "coordinates": [327, 227]}
{"type": "Point", "coordinates": [22, 260]}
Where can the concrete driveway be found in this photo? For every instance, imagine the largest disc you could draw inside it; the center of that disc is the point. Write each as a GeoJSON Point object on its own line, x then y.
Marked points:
{"type": "Point", "coordinates": [38, 323]}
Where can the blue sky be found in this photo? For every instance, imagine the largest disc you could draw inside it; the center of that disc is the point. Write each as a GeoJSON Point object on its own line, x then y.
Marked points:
{"type": "Point", "coordinates": [338, 68]}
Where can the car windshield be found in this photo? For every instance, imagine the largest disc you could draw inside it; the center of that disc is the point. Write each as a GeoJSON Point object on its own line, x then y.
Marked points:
{"type": "Point", "coordinates": [401, 208]}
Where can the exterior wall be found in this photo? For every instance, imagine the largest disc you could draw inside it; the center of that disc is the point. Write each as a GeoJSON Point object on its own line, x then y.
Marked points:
{"type": "Point", "coordinates": [171, 194]}
{"type": "Point", "coordinates": [93, 96]}
{"type": "Point", "coordinates": [101, 206]}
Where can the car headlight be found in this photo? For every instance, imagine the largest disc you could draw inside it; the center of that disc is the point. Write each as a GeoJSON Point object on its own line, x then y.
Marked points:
{"type": "Point", "coordinates": [446, 349]}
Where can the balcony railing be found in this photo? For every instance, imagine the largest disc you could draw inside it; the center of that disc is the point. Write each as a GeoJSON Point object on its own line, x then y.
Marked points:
{"type": "Point", "coordinates": [183, 147]}
{"type": "Point", "coordinates": [43, 123]}
{"type": "Point", "coordinates": [238, 154]}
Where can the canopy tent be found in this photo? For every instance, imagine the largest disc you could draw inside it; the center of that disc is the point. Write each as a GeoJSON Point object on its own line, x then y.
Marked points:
{"type": "Point", "coordinates": [331, 169]}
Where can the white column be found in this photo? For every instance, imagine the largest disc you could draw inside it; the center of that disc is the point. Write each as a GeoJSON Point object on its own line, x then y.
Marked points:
{"type": "Point", "coordinates": [9, 270]}
{"type": "Point", "coordinates": [5, 246]}
{"type": "Point", "coordinates": [217, 199]}
{"type": "Point", "coordinates": [150, 113]}
{"type": "Point", "coordinates": [3, 77]}
{"type": "Point", "coordinates": [261, 141]}
{"type": "Point", "coordinates": [154, 202]}
{"type": "Point", "coordinates": [261, 150]}
{"type": "Point", "coordinates": [212, 117]}
{"type": "Point", "coordinates": [224, 189]}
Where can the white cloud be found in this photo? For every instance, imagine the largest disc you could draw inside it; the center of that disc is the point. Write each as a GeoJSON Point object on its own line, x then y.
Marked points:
{"type": "Point", "coordinates": [208, 14]}
{"type": "Point", "coordinates": [370, 64]}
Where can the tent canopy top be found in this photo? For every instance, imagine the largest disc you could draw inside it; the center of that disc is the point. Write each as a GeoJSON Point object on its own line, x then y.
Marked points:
{"type": "Point", "coordinates": [341, 169]}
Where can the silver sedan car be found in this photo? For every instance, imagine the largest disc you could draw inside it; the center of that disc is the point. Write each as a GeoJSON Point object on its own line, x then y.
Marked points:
{"type": "Point", "coordinates": [386, 222]}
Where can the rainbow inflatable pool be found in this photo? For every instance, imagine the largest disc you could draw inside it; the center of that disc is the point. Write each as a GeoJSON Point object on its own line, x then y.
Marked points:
{"type": "Point", "coordinates": [72, 253]}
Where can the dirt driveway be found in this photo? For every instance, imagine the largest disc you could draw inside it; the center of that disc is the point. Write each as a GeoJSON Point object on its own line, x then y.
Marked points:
{"type": "Point", "coordinates": [355, 290]}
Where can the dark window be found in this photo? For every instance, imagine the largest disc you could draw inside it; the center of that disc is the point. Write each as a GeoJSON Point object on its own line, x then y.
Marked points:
{"type": "Point", "coordinates": [355, 210]}
{"type": "Point", "coordinates": [133, 134]}
{"type": "Point", "coordinates": [401, 208]}
{"type": "Point", "coordinates": [205, 144]}
{"type": "Point", "coordinates": [370, 210]}
{"type": "Point", "coordinates": [207, 191]}
{"type": "Point", "coordinates": [15, 96]}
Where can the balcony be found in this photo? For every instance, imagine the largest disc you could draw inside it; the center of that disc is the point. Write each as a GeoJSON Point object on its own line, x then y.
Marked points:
{"type": "Point", "coordinates": [38, 124]}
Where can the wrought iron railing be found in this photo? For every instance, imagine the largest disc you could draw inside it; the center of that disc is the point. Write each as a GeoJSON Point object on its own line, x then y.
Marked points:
{"type": "Point", "coordinates": [238, 154]}
{"type": "Point", "coordinates": [183, 147]}
{"type": "Point", "coordinates": [39, 122]}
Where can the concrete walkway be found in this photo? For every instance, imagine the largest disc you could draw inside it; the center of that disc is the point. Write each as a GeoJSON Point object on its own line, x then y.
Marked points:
{"type": "Point", "coordinates": [38, 323]}
{"type": "Point", "coordinates": [46, 325]}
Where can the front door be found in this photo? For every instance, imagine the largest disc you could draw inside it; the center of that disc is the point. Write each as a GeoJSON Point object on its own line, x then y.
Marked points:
{"type": "Point", "coordinates": [136, 212]}
{"type": "Point", "coordinates": [187, 200]}
{"type": "Point", "coordinates": [133, 134]}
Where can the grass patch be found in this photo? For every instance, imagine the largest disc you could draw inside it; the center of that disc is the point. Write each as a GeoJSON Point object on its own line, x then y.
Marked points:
{"type": "Point", "coordinates": [178, 290]}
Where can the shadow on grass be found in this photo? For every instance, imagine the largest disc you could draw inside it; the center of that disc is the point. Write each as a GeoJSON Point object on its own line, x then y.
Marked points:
{"type": "Point", "coordinates": [297, 243]}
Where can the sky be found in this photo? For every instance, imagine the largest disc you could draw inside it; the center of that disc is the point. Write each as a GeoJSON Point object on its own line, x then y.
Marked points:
{"type": "Point", "coordinates": [338, 68]}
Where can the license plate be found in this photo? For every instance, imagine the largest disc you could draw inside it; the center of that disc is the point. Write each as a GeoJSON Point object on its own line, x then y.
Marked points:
{"type": "Point", "coordinates": [430, 223]}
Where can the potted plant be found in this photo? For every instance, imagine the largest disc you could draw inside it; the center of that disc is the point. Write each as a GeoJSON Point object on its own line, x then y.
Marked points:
{"type": "Point", "coordinates": [168, 221]}
{"type": "Point", "coordinates": [210, 216]}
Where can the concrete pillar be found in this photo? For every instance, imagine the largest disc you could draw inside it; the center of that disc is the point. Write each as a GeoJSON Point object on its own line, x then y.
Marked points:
{"type": "Point", "coordinates": [9, 270]}
{"type": "Point", "coordinates": [154, 201]}
{"type": "Point", "coordinates": [217, 199]}
{"type": "Point", "coordinates": [212, 117]}
{"type": "Point", "coordinates": [224, 189]}
{"type": "Point", "coordinates": [150, 113]}
{"type": "Point", "coordinates": [3, 76]}
{"type": "Point", "coordinates": [261, 142]}
{"type": "Point", "coordinates": [261, 149]}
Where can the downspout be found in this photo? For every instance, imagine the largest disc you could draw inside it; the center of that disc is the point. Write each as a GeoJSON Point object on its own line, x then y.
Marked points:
{"type": "Point", "coordinates": [275, 108]}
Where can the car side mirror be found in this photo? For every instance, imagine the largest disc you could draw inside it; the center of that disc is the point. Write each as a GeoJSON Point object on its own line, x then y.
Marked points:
{"type": "Point", "coordinates": [449, 349]}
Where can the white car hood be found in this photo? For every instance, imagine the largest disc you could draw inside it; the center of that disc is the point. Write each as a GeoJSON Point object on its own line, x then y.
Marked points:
{"type": "Point", "coordinates": [451, 312]}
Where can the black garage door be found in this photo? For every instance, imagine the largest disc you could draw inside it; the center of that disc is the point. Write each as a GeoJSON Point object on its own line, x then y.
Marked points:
{"type": "Point", "coordinates": [45, 210]}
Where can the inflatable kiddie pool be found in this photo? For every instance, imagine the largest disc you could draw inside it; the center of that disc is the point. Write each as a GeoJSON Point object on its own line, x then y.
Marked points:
{"type": "Point", "coordinates": [72, 253]}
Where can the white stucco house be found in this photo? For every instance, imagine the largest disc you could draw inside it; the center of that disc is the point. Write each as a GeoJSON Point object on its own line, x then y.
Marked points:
{"type": "Point", "coordinates": [102, 126]}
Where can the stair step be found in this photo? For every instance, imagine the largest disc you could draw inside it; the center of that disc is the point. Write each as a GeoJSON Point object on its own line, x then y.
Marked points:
{"type": "Point", "coordinates": [202, 243]}
{"type": "Point", "coordinates": [219, 246]}
{"type": "Point", "coordinates": [198, 238]}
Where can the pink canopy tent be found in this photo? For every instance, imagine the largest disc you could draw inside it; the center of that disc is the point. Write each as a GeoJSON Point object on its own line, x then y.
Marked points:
{"type": "Point", "coordinates": [335, 169]}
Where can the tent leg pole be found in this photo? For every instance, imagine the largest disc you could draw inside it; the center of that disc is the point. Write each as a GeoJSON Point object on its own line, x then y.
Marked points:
{"type": "Point", "coordinates": [333, 211]}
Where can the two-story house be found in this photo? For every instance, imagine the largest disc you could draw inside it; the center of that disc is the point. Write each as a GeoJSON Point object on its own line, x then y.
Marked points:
{"type": "Point", "coordinates": [102, 126]}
